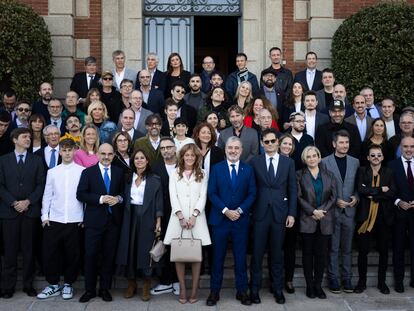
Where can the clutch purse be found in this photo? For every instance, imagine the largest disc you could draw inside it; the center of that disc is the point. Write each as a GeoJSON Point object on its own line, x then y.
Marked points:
{"type": "Point", "coordinates": [158, 249]}
{"type": "Point", "coordinates": [186, 249]}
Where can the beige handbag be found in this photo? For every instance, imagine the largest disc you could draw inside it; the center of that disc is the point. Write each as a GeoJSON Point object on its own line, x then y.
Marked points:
{"type": "Point", "coordinates": [186, 250]}
{"type": "Point", "coordinates": [158, 249]}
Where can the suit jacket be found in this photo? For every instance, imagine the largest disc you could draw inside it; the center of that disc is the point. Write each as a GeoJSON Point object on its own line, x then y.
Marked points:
{"type": "Point", "coordinates": [249, 140]}
{"type": "Point", "coordinates": [145, 113]}
{"type": "Point", "coordinates": [281, 107]}
{"type": "Point", "coordinates": [91, 187]}
{"type": "Point", "coordinates": [352, 119]}
{"type": "Point", "coordinates": [41, 153]}
{"type": "Point", "coordinates": [21, 184]}
{"type": "Point", "coordinates": [130, 74]}
{"type": "Point", "coordinates": [404, 191]}
{"type": "Point", "coordinates": [62, 127]}
{"type": "Point", "coordinates": [80, 83]}
{"type": "Point", "coordinates": [320, 119]}
{"type": "Point", "coordinates": [232, 84]}
{"type": "Point", "coordinates": [385, 199]}
{"type": "Point", "coordinates": [155, 102]}
{"type": "Point", "coordinates": [222, 194]}
{"type": "Point", "coordinates": [347, 187]}
{"type": "Point", "coordinates": [158, 81]}
{"type": "Point", "coordinates": [281, 195]}
{"type": "Point", "coordinates": [317, 82]}
{"type": "Point", "coordinates": [307, 201]}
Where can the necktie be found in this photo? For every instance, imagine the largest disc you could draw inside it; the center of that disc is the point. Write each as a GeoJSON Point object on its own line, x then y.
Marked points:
{"type": "Point", "coordinates": [54, 123]}
{"type": "Point", "coordinates": [369, 112]}
{"type": "Point", "coordinates": [107, 183]}
{"type": "Point", "coordinates": [233, 176]}
{"type": "Point", "coordinates": [90, 81]}
{"type": "Point", "coordinates": [410, 177]}
{"type": "Point", "coordinates": [271, 170]}
{"type": "Point", "coordinates": [20, 160]}
{"type": "Point", "coordinates": [52, 161]}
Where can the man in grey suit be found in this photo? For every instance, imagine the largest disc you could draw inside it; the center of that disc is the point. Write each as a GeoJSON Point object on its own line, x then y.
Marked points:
{"type": "Point", "coordinates": [360, 118]}
{"type": "Point", "coordinates": [325, 95]}
{"type": "Point", "coordinates": [121, 72]}
{"type": "Point", "coordinates": [141, 114]}
{"type": "Point", "coordinates": [247, 135]}
{"type": "Point", "coordinates": [344, 168]}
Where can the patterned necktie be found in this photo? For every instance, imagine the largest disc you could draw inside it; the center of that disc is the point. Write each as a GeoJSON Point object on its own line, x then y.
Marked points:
{"type": "Point", "coordinates": [233, 176]}
{"type": "Point", "coordinates": [410, 177]}
{"type": "Point", "coordinates": [52, 161]}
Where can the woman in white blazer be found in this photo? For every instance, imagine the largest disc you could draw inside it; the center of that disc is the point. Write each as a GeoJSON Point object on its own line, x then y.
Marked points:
{"type": "Point", "coordinates": [188, 193]}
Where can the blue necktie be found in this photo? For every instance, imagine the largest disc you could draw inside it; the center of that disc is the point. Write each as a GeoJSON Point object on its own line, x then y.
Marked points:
{"type": "Point", "coordinates": [233, 176]}
{"type": "Point", "coordinates": [271, 170]}
{"type": "Point", "coordinates": [52, 161]}
{"type": "Point", "coordinates": [107, 183]}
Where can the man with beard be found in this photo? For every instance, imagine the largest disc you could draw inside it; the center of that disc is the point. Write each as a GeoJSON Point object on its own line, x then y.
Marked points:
{"type": "Point", "coordinates": [41, 106]}
{"type": "Point", "coordinates": [284, 77]}
{"type": "Point", "coordinates": [153, 97]}
{"type": "Point", "coordinates": [157, 80]}
{"type": "Point", "coordinates": [23, 113]}
{"type": "Point", "coordinates": [196, 98]}
{"type": "Point", "coordinates": [360, 118]}
{"type": "Point", "coordinates": [216, 79]}
{"type": "Point", "coordinates": [208, 69]}
{"type": "Point", "coordinates": [325, 96]}
{"type": "Point", "coordinates": [339, 93]}
{"type": "Point", "coordinates": [73, 126]}
{"type": "Point", "coordinates": [240, 75]}
{"type": "Point", "coordinates": [71, 102]}
{"type": "Point", "coordinates": [151, 142]}
{"type": "Point", "coordinates": [9, 102]}
{"type": "Point", "coordinates": [185, 111]}
{"type": "Point", "coordinates": [313, 117]}
{"type": "Point", "coordinates": [301, 139]}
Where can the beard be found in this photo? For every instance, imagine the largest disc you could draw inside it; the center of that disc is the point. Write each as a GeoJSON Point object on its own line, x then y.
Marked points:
{"type": "Point", "coordinates": [269, 83]}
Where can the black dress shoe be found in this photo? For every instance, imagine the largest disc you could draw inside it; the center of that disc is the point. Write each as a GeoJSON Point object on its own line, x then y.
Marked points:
{"type": "Point", "coordinates": [383, 288]}
{"type": "Point", "coordinates": [30, 291]}
{"type": "Point", "coordinates": [244, 298]}
{"type": "Point", "coordinates": [289, 288]}
{"type": "Point", "coordinates": [105, 295]}
{"type": "Point", "coordinates": [320, 293]}
{"type": "Point", "coordinates": [412, 284]}
{"type": "Point", "coordinates": [7, 294]}
{"type": "Point", "coordinates": [255, 298]}
{"type": "Point", "coordinates": [310, 292]}
{"type": "Point", "coordinates": [280, 298]}
{"type": "Point", "coordinates": [212, 299]}
{"type": "Point", "coordinates": [399, 287]}
{"type": "Point", "coordinates": [359, 288]}
{"type": "Point", "coordinates": [87, 296]}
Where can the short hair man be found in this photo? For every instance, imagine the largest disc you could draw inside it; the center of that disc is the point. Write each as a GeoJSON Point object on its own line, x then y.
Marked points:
{"type": "Point", "coordinates": [23, 112]}
{"type": "Point", "coordinates": [62, 216]}
{"type": "Point", "coordinates": [310, 78]}
{"type": "Point", "coordinates": [373, 110]}
{"type": "Point", "coordinates": [71, 102]}
{"type": "Point", "coordinates": [284, 80]}
{"type": "Point", "coordinates": [6, 145]}
{"type": "Point", "coordinates": [269, 90]}
{"type": "Point", "coordinates": [216, 79]}
{"type": "Point", "coordinates": [127, 120]}
{"type": "Point", "coordinates": [46, 94]}
{"type": "Point", "coordinates": [120, 71]}
{"type": "Point", "coordinates": [360, 118]}
{"type": "Point", "coordinates": [73, 128]}
{"type": "Point", "coordinates": [407, 130]}
{"type": "Point", "coordinates": [301, 138]}
{"type": "Point", "coordinates": [344, 168]}
{"type": "Point", "coordinates": [151, 142]}
{"type": "Point", "coordinates": [102, 219]}
{"type": "Point", "coordinates": [323, 137]}
{"type": "Point", "coordinates": [208, 68]}
{"type": "Point", "coordinates": [126, 89]}
{"type": "Point", "coordinates": [196, 98]}
{"type": "Point", "coordinates": [185, 111]}
{"type": "Point", "coordinates": [325, 95]}
{"type": "Point", "coordinates": [391, 120]}
{"type": "Point", "coordinates": [232, 191]}
{"type": "Point", "coordinates": [22, 181]}
{"type": "Point", "coordinates": [82, 82]}
{"type": "Point", "coordinates": [241, 74]}
{"type": "Point", "coordinates": [247, 135]}
{"type": "Point", "coordinates": [50, 153]}
{"type": "Point", "coordinates": [157, 80]}
{"type": "Point", "coordinates": [9, 101]}
{"type": "Point", "coordinates": [314, 118]}
{"type": "Point", "coordinates": [340, 94]}
{"type": "Point", "coordinates": [275, 209]}
{"type": "Point", "coordinates": [141, 113]}
{"type": "Point", "coordinates": [55, 109]}
{"type": "Point", "coordinates": [153, 97]}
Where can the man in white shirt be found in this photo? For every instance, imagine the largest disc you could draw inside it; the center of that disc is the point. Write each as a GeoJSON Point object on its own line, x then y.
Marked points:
{"type": "Point", "coordinates": [391, 120]}
{"type": "Point", "coordinates": [310, 78]}
{"type": "Point", "coordinates": [360, 118]}
{"type": "Point", "coordinates": [373, 110]}
{"type": "Point", "coordinates": [120, 71]}
{"type": "Point", "coordinates": [313, 118]}
{"type": "Point", "coordinates": [62, 216]}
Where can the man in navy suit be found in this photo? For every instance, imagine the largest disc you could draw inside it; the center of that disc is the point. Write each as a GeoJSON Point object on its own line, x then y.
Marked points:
{"type": "Point", "coordinates": [101, 188]}
{"type": "Point", "coordinates": [310, 78]}
{"type": "Point", "coordinates": [275, 209]}
{"type": "Point", "coordinates": [403, 168]}
{"type": "Point", "coordinates": [50, 154]}
{"type": "Point", "coordinates": [231, 190]}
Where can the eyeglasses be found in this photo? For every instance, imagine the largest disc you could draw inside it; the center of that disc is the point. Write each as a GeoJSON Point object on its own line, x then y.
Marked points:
{"type": "Point", "coordinates": [168, 148]}
{"type": "Point", "coordinates": [126, 87]}
{"type": "Point", "coordinates": [24, 109]}
{"type": "Point", "coordinates": [155, 124]}
{"type": "Point", "coordinates": [266, 142]}
{"type": "Point", "coordinates": [373, 155]}
{"type": "Point", "coordinates": [107, 79]}
{"type": "Point", "coordinates": [179, 91]}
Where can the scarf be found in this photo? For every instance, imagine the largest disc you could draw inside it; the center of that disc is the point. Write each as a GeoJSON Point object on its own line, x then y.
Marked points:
{"type": "Point", "coordinates": [368, 224]}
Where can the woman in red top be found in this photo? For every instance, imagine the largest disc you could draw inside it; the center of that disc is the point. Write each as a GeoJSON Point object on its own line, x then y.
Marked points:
{"type": "Point", "coordinates": [251, 118]}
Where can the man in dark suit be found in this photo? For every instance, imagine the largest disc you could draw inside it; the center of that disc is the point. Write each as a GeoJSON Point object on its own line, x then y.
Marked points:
{"type": "Point", "coordinates": [23, 112]}
{"type": "Point", "coordinates": [373, 110]}
{"type": "Point", "coordinates": [360, 118]}
{"type": "Point", "coordinates": [22, 180]}
{"type": "Point", "coordinates": [157, 80]}
{"type": "Point", "coordinates": [247, 135]}
{"type": "Point", "coordinates": [310, 78]}
{"type": "Point", "coordinates": [231, 190]}
{"type": "Point", "coordinates": [55, 109]}
{"type": "Point", "coordinates": [127, 120]}
{"type": "Point", "coordinates": [50, 154]}
{"type": "Point", "coordinates": [185, 111]}
{"type": "Point", "coordinates": [153, 97]}
{"type": "Point", "coordinates": [325, 95]}
{"type": "Point", "coordinates": [284, 77]}
{"type": "Point", "coordinates": [82, 82]}
{"type": "Point", "coordinates": [101, 188]}
{"type": "Point", "coordinates": [6, 145]}
{"type": "Point", "coordinates": [314, 119]}
{"type": "Point", "coordinates": [403, 168]}
{"type": "Point", "coordinates": [275, 209]}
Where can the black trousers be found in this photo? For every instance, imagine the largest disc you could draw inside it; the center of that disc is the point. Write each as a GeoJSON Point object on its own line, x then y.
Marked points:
{"type": "Point", "coordinates": [381, 234]}
{"type": "Point", "coordinates": [315, 248]}
{"type": "Point", "coordinates": [168, 272]}
{"type": "Point", "coordinates": [100, 242]}
{"type": "Point", "coordinates": [60, 237]}
{"type": "Point", "coordinates": [18, 233]}
{"type": "Point", "coordinates": [403, 229]}
{"type": "Point", "coordinates": [289, 247]}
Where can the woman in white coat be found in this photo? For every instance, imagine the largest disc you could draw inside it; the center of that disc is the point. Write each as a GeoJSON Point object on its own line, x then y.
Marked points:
{"type": "Point", "coordinates": [188, 192]}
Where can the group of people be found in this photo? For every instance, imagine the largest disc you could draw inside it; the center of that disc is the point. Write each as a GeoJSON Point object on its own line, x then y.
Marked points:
{"type": "Point", "coordinates": [133, 157]}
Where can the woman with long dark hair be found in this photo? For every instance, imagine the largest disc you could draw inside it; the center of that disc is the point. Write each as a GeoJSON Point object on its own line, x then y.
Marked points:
{"type": "Point", "coordinates": [175, 72]}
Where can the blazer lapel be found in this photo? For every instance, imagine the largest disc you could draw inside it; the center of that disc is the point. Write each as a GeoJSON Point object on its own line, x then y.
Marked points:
{"type": "Point", "coordinates": [335, 168]}
{"type": "Point", "coordinates": [100, 177]}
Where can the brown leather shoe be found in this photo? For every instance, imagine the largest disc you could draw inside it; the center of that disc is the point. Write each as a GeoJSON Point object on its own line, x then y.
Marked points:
{"type": "Point", "coordinates": [131, 289]}
{"type": "Point", "coordinates": [146, 295]}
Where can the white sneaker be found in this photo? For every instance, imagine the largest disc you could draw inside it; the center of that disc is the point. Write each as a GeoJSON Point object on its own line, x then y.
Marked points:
{"type": "Point", "coordinates": [67, 291]}
{"type": "Point", "coordinates": [49, 291]}
{"type": "Point", "coordinates": [161, 289]}
{"type": "Point", "coordinates": [176, 288]}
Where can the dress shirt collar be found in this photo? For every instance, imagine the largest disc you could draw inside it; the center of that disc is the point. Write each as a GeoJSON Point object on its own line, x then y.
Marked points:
{"type": "Point", "coordinates": [102, 168]}
{"type": "Point", "coordinates": [275, 157]}
{"type": "Point", "coordinates": [229, 164]}
{"type": "Point", "coordinates": [48, 149]}
{"type": "Point", "coordinates": [17, 155]}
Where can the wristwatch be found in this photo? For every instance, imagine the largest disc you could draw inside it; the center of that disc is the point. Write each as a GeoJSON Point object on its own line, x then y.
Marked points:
{"type": "Point", "coordinates": [195, 214]}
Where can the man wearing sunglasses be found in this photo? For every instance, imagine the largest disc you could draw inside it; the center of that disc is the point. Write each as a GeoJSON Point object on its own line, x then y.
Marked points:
{"type": "Point", "coordinates": [23, 113]}
{"type": "Point", "coordinates": [153, 97]}
{"type": "Point", "coordinates": [185, 111]}
{"type": "Point", "coordinates": [275, 209]}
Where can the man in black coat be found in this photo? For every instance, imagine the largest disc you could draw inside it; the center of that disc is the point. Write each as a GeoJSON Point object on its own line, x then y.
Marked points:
{"type": "Point", "coordinates": [82, 82]}
{"type": "Point", "coordinates": [101, 188]}
{"type": "Point", "coordinates": [185, 111]}
{"type": "Point", "coordinates": [6, 145]}
{"type": "Point", "coordinates": [22, 181]}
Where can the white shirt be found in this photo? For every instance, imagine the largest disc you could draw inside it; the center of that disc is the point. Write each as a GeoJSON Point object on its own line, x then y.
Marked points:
{"type": "Point", "coordinates": [206, 162]}
{"type": "Point", "coordinates": [297, 136]}
{"type": "Point", "coordinates": [310, 77]}
{"type": "Point", "coordinates": [405, 165]}
{"type": "Point", "coordinates": [362, 126]}
{"type": "Point", "coordinates": [298, 105]}
{"type": "Point", "coordinates": [275, 161]}
{"type": "Point", "coordinates": [145, 96]}
{"type": "Point", "coordinates": [119, 77]}
{"type": "Point", "coordinates": [89, 79]}
{"type": "Point", "coordinates": [48, 154]}
{"type": "Point", "coordinates": [170, 168]}
{"type": "Point", "coordinates": [156, 143]}
{"type": "Point", "coordinates": [390, 128]}
{"type": "Point", "coordinates": [130, 132]}
{"type": "Point", "coordinates": [102, 168]}
{"type": "Point", "coordinates": [310, 124]}
{"type": "Point", "coordinates": [59, 202]}
{"type": "Point", "coordinates": [137, 193]}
